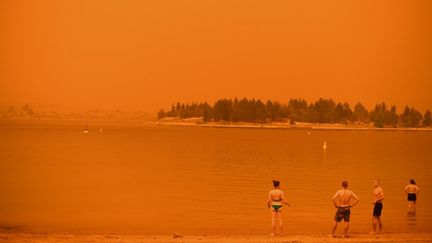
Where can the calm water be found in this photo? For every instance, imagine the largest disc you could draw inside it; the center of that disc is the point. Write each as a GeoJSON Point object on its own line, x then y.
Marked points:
{"type": "Point", "coordinates": [204, 180]}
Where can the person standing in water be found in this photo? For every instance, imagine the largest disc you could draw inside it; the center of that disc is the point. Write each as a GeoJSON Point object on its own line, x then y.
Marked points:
{"type": "Point", "coordinates": [275, 201]}
{"type": "Point", "coordinates": [412, 191]}
{"type": "Point", "coordinates": [377, 198]}
{"type": "Point", "coordinates": [342, 201]}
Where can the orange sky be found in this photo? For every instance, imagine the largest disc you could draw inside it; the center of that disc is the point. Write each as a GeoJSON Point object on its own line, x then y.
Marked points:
{"type": "Point", "coordinates": [148, 54]}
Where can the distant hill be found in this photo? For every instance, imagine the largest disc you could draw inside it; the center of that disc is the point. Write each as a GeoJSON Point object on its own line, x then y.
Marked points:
{"type": "Point", "coordinates": [28, 112]}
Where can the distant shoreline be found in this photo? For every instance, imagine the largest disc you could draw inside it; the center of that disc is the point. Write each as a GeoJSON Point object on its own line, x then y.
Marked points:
{"type": "Point", "coordinates": [283, 125]}
{"type": "Point", "coordinates": [195, 122]}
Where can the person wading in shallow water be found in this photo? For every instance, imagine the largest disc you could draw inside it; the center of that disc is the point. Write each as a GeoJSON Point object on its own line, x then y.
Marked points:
{"type": "Point", "coordinates": [275, 201]}
{"type": "Point", "coordinates": [377, 198]}
{"type": "Point", "coordinates": [342, 201]}
{"type": "Point", "coordinates": [412, 191]}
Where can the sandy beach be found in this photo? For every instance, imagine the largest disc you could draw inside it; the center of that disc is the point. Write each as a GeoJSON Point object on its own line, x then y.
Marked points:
{"type": "Point", "coordinates": [132, 238]}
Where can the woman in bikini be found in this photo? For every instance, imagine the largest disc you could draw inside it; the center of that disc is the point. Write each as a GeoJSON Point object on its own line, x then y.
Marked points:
{"type": "Point", "coordinates": [275, 201]}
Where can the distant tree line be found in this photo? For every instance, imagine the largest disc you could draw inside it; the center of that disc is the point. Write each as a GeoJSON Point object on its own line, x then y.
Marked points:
{"type": "Point", "coordinates": [298, 110]}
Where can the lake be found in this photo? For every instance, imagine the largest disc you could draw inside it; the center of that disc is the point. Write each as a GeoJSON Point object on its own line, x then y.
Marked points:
{"type": "Point", "coordinates": [159, 179]}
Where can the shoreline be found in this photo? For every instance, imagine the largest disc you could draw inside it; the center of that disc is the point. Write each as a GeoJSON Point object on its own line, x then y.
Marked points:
{"type": "Point", "coordinates": [194, 122]}
{"type": "Point", "coordinates": [299, 126]}
{"type": "Point", "coordinates": [43, 237]}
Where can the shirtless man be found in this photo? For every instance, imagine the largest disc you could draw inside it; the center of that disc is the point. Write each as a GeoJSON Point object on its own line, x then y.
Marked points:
{"type": "Point", "coordinates": [411, 191]}
{"type": "Point", "coordinates": [275, 201]}
{"type": "Point", "coordinates": [377, 198]}
{"type": "Point", "coordinates": [342, 201]}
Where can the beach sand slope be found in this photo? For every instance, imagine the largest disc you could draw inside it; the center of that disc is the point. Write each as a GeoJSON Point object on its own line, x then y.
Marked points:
{"type": "Point", "coordinates": [135, 238]}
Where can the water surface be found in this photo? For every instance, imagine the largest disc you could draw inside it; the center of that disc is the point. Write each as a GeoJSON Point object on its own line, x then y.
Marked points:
{"type": "Point", "coordinates": [204, 180]}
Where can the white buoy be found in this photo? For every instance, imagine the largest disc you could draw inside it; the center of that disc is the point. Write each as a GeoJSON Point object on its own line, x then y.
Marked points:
{"type": "Point", "coordinates": [86, 131]}
{"type": "Point", "coordinates": [100, 130]}
{"type": "Point", "coordinates": [325, 145]}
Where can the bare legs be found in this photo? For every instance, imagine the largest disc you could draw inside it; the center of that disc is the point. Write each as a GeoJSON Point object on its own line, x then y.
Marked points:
{"type": "Point", "coordinates": [280, 222]}
{"type": "Point", "coordinates": [277, 216]}
{"type": "Point", "coordinates": [375, 221]}
{"type": "Point", "coordinates": [411, 206]}
{"type": "Point", "coordinates": [380, 224]}
{"type": "Point", "coordinates": [273, 222]}
{"type": "Point", "coordinates": [335, 224]}
{"type": "Point", "coordinates": [346, 229]}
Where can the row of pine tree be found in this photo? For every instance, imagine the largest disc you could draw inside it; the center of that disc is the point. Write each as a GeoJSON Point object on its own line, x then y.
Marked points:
{"type": "Point", "coordinates": [298, 110]}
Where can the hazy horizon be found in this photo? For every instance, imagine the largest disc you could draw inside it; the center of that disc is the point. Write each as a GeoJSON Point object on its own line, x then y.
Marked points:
{"type": "Point", "coordinates": [71, 108]}
{"type": "Point", "coordinates": [134, 55]}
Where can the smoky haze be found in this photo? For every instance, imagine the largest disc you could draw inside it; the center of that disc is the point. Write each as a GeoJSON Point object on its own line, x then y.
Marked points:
{"type": "Point", "coordinates": [149, 54]}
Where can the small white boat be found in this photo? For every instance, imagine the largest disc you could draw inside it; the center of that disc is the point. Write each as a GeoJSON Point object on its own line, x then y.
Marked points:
{"type": "Point", "coordinates": [325, 145]}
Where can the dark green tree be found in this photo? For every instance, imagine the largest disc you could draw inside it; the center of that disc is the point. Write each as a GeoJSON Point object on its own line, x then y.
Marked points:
{"type": "Point", "coordinates": [244, 111]}
{"type": "Point", "coordinates": [342, 113]}
{"type": "Point", "coordinates": [323, 111]}
{"type": "Point", "coordinates": [222, 110]}
{"type": "Point", "coordinates": [298, 110]}
{"type": "Point", "coordinates": [405, 117]}
{"type": "Point", "coordinates": [411, 117]}
{"type": "Point", "coordinates": [207, 113]}
{"type": "Point", "coordinates": [261, 112]}
{"type": "Point", "coordinates": [338, 112]}
{"type": "Point", "coordinates": [360, 113]}
{"type": "Point", "coordinates": [274, 111]}
{"type": "Point", "coordinates": [270, 111]}
{"type": "Point", "coordinates": [416, 118]}
{"type": "Point", "coordinates": [235, 117]}
{"type": "Point", "coordinates": [377, 116]}
{"type": "Point", "coordinates": [391, 118]}
{"type": "Point", "coordinates": [427, 119]}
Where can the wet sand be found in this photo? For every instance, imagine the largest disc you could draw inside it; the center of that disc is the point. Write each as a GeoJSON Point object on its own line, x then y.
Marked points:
{"type": "Point", "coordinates": [132, 238]}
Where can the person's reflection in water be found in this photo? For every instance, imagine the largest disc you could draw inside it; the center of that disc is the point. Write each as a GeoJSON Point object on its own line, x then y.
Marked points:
{"type": "Point", "coordinates": [411, 213]}
{"type": "Point", "coordinates": [411, 218]}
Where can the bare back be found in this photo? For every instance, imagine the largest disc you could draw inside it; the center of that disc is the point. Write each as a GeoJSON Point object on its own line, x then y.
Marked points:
{"type": "Point", "coordinates": [411, 188]}
{"type": "Point", "coordinates": [343, 197]}
{"type": "Point", "coordinates": [276, 197]}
